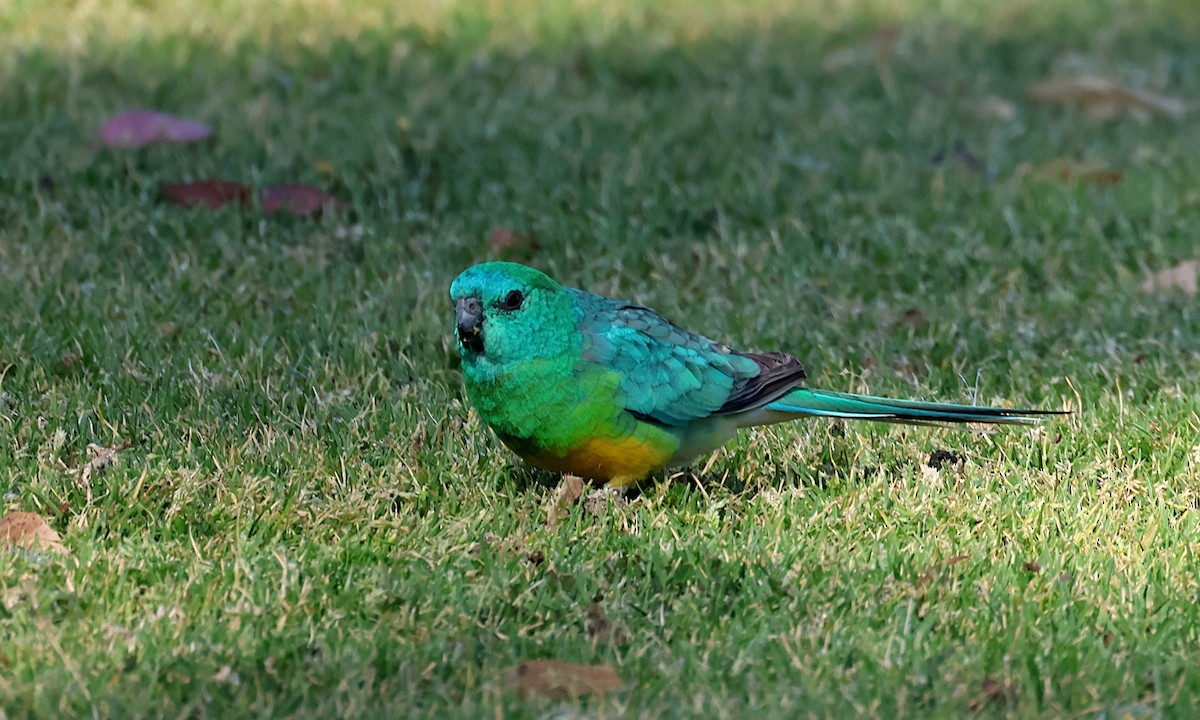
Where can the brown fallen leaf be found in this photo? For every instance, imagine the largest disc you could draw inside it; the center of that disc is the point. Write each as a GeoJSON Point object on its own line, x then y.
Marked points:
{"type": "Point", "coordinates": [212, 193]}
{"type": "Point", "coordinates": [509, 244]}
{"type": "Point", "coordinates": [1104, 99]}
{"type": "Point", "coordinates": [294, 198]}
{"type": "Point", "coordinates": [102, 459]}
{"type": "Point", "coordinates": [1181, 277]}
{"type": "Point", "coordinates": [1073, 171]}
{"type": "Point", "coordinates": [29, 531]}
{"type": "Point", "coordinates": [299, 199]}
{"type": "Point", "coordinates": [568, 494]}
{"type": "Point", "coordinates": [562, 680]}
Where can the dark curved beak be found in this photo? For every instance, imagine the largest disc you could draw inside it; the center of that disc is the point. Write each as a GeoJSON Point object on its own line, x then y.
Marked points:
{"type": "Point", "coordinates": [469, 312]}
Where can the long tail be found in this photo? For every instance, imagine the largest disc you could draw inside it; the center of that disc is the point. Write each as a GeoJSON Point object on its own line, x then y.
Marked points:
{"type": "Point", "coordinates": [828, 403]}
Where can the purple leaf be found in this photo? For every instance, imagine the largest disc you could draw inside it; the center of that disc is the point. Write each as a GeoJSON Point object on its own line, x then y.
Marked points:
{"type": "Point", "coordinates": [136, 128]}
{"type": "Point", "coordinates": [211, 193]}
{"type": "Point", "coordinates": [298, 199]}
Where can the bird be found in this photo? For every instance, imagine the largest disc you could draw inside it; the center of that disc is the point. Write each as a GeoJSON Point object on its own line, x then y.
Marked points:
{"type": "Point", "coordinates": [582, 384]}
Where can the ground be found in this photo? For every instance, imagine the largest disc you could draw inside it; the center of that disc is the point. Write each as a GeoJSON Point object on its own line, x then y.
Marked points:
{"type": "Point", "coordinates": [309, 520]}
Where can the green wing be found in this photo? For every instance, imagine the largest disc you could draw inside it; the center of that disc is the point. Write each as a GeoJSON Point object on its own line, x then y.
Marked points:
{"type": "Point", "coordinates": [671, 376]}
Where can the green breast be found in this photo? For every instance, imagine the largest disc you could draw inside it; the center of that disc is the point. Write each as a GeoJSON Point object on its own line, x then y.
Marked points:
{"type": "Point", "coordinates": [544, 405]}
{"type": "Point", "coordinates": [549, 408]}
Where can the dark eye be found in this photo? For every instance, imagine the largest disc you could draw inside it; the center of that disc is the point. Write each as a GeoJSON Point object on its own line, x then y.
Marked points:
{"type": "Point", "coordinates": [512, 301]}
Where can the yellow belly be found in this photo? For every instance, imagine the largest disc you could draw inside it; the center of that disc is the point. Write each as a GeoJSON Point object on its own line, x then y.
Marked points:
{"type": "Point", "coordinates": [618, 462]}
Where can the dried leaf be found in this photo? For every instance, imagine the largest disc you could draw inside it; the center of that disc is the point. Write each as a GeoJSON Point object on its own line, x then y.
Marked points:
{"type": "Point", "coordinates": [569, 493]}
{"type": "Point", "coordinates": [1072, 171]}
{"type": "Point", "coordinates": [29, 531]}
{"type": "Point", "coordinates": [102, 459]}
{"type": "Point", "coordinates": [211, 193]}
{"type": "Point", "coordinates": [136, 128]}
{"type": "Point", "coordinates": [1103, 99]}
{"type": "Point", "coordinates": [509, 244]}
{"type": "Point", "coordinates": [299, 199]}
{"type": "Point", "coordinates": [1181, 277]}
{"type": "Point", "coordinates": [294, 198]}
{"type": "Point", "coordinates": [561, 680]}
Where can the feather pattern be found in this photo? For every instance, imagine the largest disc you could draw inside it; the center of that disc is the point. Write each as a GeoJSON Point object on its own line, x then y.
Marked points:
{"type": "Point", "coordinates": [577, 382]}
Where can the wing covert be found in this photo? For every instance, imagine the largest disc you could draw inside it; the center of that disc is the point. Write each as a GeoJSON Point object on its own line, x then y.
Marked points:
{"type": "Point", "coordinates": [671, 376]}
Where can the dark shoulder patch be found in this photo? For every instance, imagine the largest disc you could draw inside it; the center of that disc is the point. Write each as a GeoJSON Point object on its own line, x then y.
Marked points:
{"type": "Point", "coordinates": [778, 374]}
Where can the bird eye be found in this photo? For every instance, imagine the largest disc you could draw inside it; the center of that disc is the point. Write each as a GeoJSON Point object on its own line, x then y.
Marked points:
{"type": "Point", "coordinates": [512, 301]}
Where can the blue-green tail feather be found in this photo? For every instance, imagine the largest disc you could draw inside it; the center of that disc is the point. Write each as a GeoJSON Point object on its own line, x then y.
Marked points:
{"type": "Point", "coordinates": [829, 403]}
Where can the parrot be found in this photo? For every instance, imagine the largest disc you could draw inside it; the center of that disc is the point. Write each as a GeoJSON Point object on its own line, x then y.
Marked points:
{"type": "Point", "coordinates": [608, 390]}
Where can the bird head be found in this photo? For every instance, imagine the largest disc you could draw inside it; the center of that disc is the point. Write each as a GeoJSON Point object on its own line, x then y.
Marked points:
{"type": "Point", "coordinates": [506, 311]}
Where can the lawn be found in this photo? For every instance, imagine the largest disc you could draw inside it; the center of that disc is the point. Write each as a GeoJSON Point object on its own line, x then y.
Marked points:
{"type": "Point", "coordinates": [310, 521]}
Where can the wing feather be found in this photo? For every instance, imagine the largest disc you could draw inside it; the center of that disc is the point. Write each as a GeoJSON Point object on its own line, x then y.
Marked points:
{"type": "Point", "coordinates": [671, 376]}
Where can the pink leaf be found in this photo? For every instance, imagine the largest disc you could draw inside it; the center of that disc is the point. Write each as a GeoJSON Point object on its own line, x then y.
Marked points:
{"type": "Point", "coordinates": [136, 128]}
{"type": "Point", "coordinates": [210, 193]}
{"type": "Point", "coordinates": [298, 199]}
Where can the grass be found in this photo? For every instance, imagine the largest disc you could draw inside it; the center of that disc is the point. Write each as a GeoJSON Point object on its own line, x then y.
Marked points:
{"type": "Point", "coordinates": [311, 522]}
